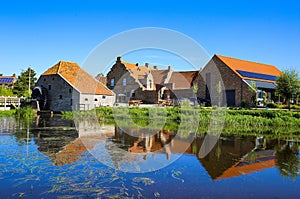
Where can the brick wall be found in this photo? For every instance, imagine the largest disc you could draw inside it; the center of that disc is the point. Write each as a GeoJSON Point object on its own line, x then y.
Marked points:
{"type": "Point", "coordinates": [213, 73]}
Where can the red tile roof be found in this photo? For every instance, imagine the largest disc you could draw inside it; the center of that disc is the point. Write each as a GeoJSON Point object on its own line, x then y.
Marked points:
{"type": "Point", "coordinates": [249, 66]}
{"type": "Point", "coordinates": [78, 78]}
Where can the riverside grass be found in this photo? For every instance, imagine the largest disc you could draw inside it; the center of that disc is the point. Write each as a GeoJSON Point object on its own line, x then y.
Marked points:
{"type": "Point", "coordinates": [25, 112]}
{"type": "Point", "coordinates": [7, 113]}
{"type": "Point", "coordinates": [250, 122]}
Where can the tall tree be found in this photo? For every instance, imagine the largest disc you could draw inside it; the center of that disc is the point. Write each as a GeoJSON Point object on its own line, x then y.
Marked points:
{"type": "Point", "coordinates": [26, 79]}
{"type": "Point", "coordinates": [253, 90]}
{"type": "Point", "coordinates": [287, 84]}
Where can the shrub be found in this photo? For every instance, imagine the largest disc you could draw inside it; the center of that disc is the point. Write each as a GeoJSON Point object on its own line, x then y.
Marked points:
{"type": "Point", "coordinates": [272, 105]}
{"type": "Point", "coordinates": [244, 104]}
{"type": "Point", "coordinates": [24, 113]}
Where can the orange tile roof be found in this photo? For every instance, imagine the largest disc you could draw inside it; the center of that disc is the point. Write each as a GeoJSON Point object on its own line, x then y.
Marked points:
{"type": "Point", "coordinates": [249, 66]}
{"type": "Point", "coordinates": [78, 78]}
{"type": "Point", "coordinates": [236, 170]}
{"type": "Point", "coordinates": [137, 71]}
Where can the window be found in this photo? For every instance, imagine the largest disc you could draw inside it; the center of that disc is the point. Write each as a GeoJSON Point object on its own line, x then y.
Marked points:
{"type": "Point", "coordinates": [86, 99]}
{"type": "Point", "coordinates": [70, 90]}
{"type": "Point", "coordinates": [71, 102]}
{"type": "Point", "coordinates": [49, 87]}
{"type": "Point", "coordinates": [52, 78]}
{"type": "Point", "coordinates": [132, 93]}
{"type": "Point", "coordinates": [150, 84]}
{"type": "Point", "coordinates": [44, 79]}
{"type": "Point", "coordinates": [124, 82]}
{"type": "Point", "coordinates": [103, 97]}
{"type": "Point", "coordinates": [60, 96]}
{"type": "Point", "coordinates": [96, 99]}
{"type": "Point", "coordinates": [112, 82]}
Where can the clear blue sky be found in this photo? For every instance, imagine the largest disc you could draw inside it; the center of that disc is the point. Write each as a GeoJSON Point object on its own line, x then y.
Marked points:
{"type": "Point", "coordinates": [40, 33]}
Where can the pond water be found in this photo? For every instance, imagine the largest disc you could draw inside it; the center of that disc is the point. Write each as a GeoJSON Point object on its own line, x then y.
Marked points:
{"type": "Point", "coordinates": [53, 159]}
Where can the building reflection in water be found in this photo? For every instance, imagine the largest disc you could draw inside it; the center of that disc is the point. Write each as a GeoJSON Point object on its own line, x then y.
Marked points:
{"type": "Point", "coordinates": [232, 155]}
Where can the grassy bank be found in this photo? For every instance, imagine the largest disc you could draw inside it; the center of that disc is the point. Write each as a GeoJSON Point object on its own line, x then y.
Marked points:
{"type": "Point", "coordinates": [7, 113]}
{"type": "Point", "coordinates": [236, 121]}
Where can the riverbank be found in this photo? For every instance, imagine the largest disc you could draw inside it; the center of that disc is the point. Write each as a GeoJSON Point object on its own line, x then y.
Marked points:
{"type": "Point", "coordinates": [269, 122]}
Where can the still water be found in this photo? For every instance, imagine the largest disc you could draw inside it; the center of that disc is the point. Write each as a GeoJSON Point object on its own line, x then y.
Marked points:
{"type": "Point", "coordinates": [53, 159]}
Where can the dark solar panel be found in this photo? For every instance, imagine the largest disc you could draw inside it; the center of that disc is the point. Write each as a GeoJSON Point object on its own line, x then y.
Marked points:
{"type": "Point", "coordinates": [256, 75]}
{"type": "Point", "coordinates": [6, 80]}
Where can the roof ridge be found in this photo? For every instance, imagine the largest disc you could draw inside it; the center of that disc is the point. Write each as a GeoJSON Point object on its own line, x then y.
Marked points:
{"type": "Point", "coordinates": [244, 60]}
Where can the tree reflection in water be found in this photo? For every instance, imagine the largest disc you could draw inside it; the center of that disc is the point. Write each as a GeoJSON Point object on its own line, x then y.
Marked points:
{"type": "Point", "coordinates": [288, 161]}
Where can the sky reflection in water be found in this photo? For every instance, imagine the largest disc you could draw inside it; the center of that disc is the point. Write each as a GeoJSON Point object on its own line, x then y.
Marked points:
{"type": "Point", "coordinates": [46, 164]}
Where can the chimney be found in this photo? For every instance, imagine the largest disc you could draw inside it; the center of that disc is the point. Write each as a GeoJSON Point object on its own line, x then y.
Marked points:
{"type": "Point", "coordinates": [155, 67]}
{"type": "Point", "coordinates": [119, 59]}
{"type": "Point", "coordinates": [169, 68]}
{"type": "Point", "coordinates": [137, 64]}
{"type": "Point", "coordinates": [147, 65]}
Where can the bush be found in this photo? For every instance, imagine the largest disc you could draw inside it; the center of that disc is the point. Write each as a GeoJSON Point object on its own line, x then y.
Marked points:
{"type": "Point", "coordinates": [24, 113]}
{"type": "Point", "coordinates": [272, 105]}
{"type": "Point", "coordinates": [244, 104]}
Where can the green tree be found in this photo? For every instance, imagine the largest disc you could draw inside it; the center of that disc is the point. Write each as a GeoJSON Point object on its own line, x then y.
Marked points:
{"type": "Point", "coordinates": [288, 84]}
{"type": "Point", "coordinates": [25, 80]}
{"type": "Point", "coordinates": [253, 90]}
{"type": "Point", "coordinates": [287, 160]}
{"type": "Point", "coordinates": [6, 91]}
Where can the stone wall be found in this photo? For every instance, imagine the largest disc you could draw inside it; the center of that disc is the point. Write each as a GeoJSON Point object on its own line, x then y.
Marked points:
{"type": "Point", "coordinates": [60, 93]}
{"type": "Point", "coordinates": [149, 97]}
{"type": "Point", "coordinates": [90, 101]}
{"type": "Point", "coordinates": [63, 97]}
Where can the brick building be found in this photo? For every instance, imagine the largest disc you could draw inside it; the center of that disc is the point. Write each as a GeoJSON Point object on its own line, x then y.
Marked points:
{"type": "Point", "coordinates": [8, 81]}
{"type": "Point", "coordinates": [237, 77]}
{"type": "Point", "coordinates": [68, 87]}
{"type": "Point", "coordinates": [134, 81]}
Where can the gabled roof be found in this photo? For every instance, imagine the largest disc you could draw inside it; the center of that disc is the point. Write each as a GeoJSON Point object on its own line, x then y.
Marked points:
{"type": "Point", "coordinates": [183, 79]}
{"type": "Point", "coordinates": [78, 78]}
{"type": "Point", "coordinates": [137, 71]}
{"type": "Point", "coordinates": [246, 166]}
{"type": "Point", "coordinates": [251, 70]}
{"type": "Point", "coordinates": [159, 76]}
